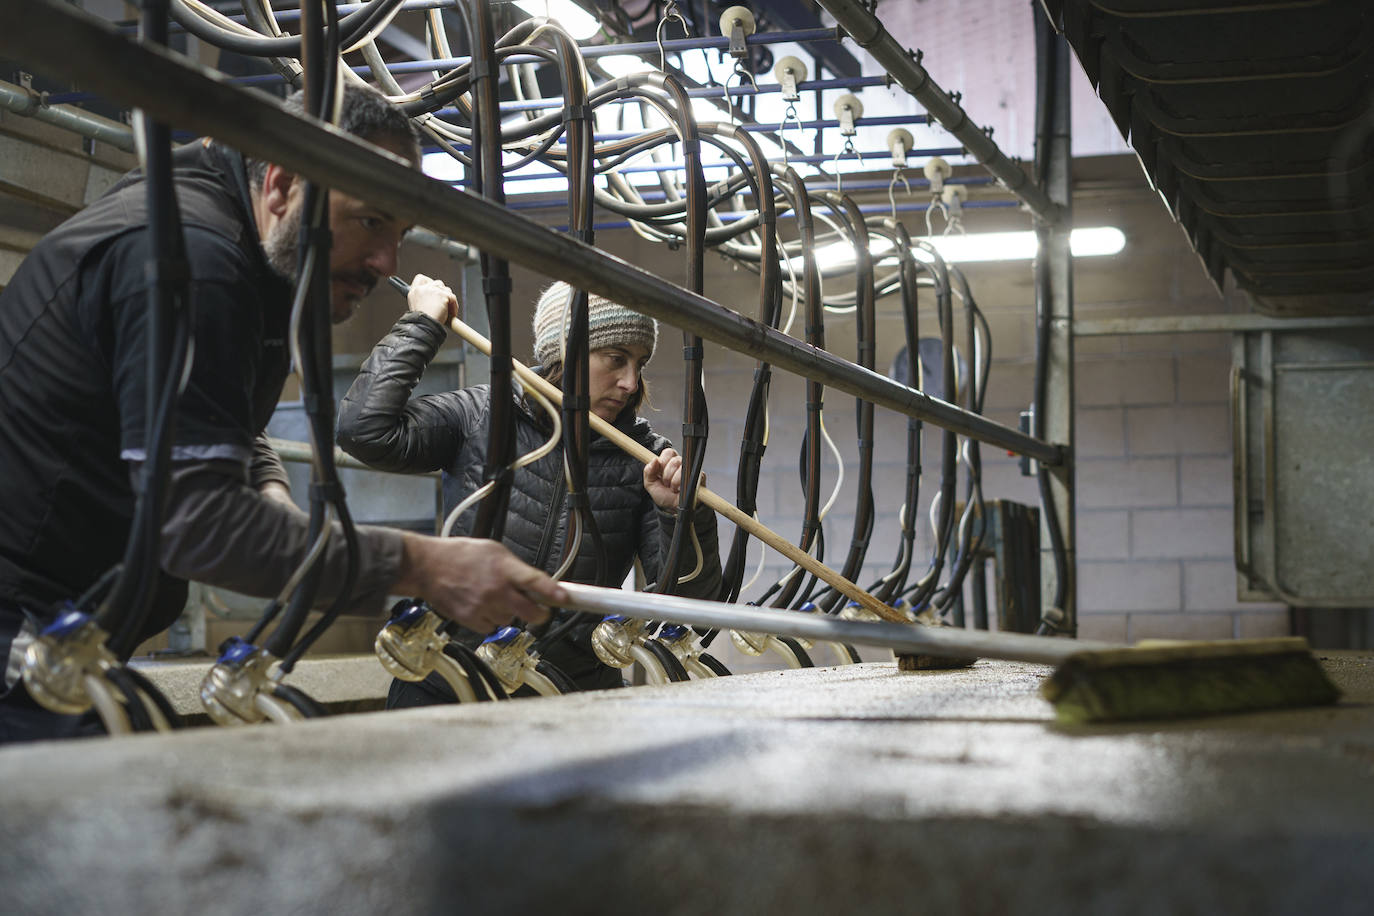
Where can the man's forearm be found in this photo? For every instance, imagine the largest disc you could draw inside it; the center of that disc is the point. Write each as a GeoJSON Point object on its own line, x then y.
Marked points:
{"type": "Point", "coordinates": [222, 532]}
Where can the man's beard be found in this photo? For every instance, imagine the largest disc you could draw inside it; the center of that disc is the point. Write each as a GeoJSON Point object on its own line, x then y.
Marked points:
{"type": "Point", "coordinates": [283, 256]}
{"type": "Point", "coordinates": [280, 245]}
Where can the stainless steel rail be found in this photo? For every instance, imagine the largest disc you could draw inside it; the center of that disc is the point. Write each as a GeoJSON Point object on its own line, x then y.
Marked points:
{"type": "Point", "coordinates": [27, 102]}
{"type": "Point", "coordinates": [905, 67]}
{"type": "Point", "coordinates": [951, 642]}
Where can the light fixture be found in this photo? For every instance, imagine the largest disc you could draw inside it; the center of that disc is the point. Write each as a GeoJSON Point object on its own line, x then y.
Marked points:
{"type": "Point", "coordinates": [980, 246]}
{"type": "Point", "coordinates": [441, 166]}
{"type": "Point", "coordinates": [580, 24]}
{"type": "Point", "coordinates": [618, 65]}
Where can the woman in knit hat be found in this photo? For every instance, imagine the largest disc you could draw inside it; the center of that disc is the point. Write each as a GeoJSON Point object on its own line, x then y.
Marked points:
{"type": "Point", "coordinates": [382, 425]}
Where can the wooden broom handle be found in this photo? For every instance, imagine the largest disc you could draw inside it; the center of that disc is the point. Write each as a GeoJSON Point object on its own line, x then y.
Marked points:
{"type": "Point", "coordinates": [723, 506]}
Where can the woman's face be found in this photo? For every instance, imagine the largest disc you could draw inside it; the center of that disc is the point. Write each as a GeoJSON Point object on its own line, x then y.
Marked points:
{"type": "Point", "coordinates": [613, 377]}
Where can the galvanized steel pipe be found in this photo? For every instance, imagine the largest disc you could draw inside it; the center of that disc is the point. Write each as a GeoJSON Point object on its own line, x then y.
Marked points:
{"type": "Point", "coordinates": [865, 28]}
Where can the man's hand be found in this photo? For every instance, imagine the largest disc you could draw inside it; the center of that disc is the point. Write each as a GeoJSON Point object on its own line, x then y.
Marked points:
{"type": "Point", "coordinates": [663, 479]}
{"type": "Point", "coordinates": [474, 581]}
{"type": "Point", "coordinates": [433, 298]}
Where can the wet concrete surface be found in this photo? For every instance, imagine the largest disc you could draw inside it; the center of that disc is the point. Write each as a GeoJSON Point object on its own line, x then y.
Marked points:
{"type": "Point", "coordinates": [811, 791]}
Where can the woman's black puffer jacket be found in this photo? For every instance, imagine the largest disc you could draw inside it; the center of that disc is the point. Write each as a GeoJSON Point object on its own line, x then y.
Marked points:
{"type": "Point", "coordinates": [381, 425]}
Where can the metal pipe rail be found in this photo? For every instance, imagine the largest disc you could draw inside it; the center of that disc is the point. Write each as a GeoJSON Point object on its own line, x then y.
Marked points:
{"type": "Point", "coordinates": [300, 452]}
{"type": "Point", "coordinates": [70, 44]}
{"type": "Point", "coordinates": [676, 165]}
{"type": "Point", "coordinates": [715, 92]}
{"type": "Point", "coordinates": [885, 121]}
{"type": "Point", "coordinates": [905, 67]}
{"type": "Point", "coordinates": [865, 209]}
{"type": "Point", "coordinates": [949, 642]}
{"type": "Point", "coordinates": [31, 104]}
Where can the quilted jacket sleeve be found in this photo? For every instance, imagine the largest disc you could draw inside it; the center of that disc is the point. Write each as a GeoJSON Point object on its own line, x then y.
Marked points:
{"type": "Point", "coordinates": [379, 422]}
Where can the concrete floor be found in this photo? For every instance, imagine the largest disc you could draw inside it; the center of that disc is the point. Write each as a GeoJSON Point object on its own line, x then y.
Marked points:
{"type": "Point", "coordinates": [812, 791]}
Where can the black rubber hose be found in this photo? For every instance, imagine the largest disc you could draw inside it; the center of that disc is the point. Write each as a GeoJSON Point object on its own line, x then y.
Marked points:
{"type": "Point", "coordinates": [319, 50]}
{"type": "Point", "coordinates": [667, 660]}
{"type": "Point", "coordinates": [159, 699]}
{"type": "Point", "coordinates": [484, 681]}
{"type": "Point", "coordinates": [796, 649]}
{"type": "Point", "coordinates": [695, 414]}
{"type": "Point", "coordinates": [752, 445]}
{"type": "Point", "coordinates": [925, 587]}
{"type": "Point", "coordinates": [848, 212]}
{"type": "Point", "coordinates": [474, 677]}
{"type": "Point", "coordinates": [576, 350]}
{"type": "Point", "coordinates": [795, 189]}
{"type": "Point", "coordinates": [894, 580]}
{"type": "Point", "coordinates": [139, 720]}
{"type": "Point", "coordinates": [556, 676]}
{"type": "Point", "coordinates": [353, 27]}
{"type": "Point", "coordinates": [973, 496]}
{"type": "Point", "coordinates": [169, 337]}
{"type": "Point", "coordinates": [491, 511]}
{"type": "Point", "coordinates": [299, 700]}
{"type": "Point", "coordinates": [710, 661]}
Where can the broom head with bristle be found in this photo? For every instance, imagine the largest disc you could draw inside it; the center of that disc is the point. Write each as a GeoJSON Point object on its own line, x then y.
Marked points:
{"type": "Point", "coordinates": [1165, 680]}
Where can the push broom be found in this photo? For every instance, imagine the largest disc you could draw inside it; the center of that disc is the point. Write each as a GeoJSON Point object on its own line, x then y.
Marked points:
{"type": "Point", "coordinates": [1092, 681]}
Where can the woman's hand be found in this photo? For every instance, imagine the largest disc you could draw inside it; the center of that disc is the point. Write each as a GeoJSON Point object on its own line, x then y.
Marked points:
{"type": "Point", "coordinates": [663, 479]}
{"type": "Point", "coordinates": [433, 298]}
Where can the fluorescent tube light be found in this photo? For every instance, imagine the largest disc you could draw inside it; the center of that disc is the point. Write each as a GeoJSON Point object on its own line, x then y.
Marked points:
{"type": "Point", "coordinates": [580, 24]}
{"type": "Point", "coordinates": [618, 65]}
{"type": "Point", "coordinates": [1091, 242]}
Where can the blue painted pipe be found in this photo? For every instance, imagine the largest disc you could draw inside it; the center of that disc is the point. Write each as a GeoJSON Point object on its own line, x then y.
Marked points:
{"type": "Point", "coordinates": [793, 125]}
{"type": "Point", "coordinates": [806, 160]}
{"type": "Point", "coordinates": [866, 209]}
{"type": "Point", "coordinates": [651, 196]}
{"type": "Point", "coordinates": [715, 92]}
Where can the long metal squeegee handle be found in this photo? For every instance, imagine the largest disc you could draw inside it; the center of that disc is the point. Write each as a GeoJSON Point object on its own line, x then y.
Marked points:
{"type": "Point", "coordinates": [714, 501]}
{"type": "Point", "coordinates": [66, 43]}
{"type": "Point", "coordinates": [919, 639]}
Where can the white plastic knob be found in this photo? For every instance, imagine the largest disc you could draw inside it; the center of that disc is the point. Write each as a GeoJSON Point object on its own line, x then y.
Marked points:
{"type": "Point", "coordinates": [849, 104]}
{"type": "Point", "coordinates": [740, 14]}
{"type": "Point", "coordinates": [789, 72]}
{"type": "Point", "coordinates": [937, 170]}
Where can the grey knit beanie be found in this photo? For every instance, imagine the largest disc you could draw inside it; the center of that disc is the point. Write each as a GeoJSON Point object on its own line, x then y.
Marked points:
{"type": "Point", "coordinates": [608, 324]}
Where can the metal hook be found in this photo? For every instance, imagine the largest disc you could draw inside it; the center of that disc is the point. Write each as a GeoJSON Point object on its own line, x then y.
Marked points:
{"type": "Point", "coordinates": [743, 74]}
{"type": "Point", "coordinates": [789, 115]}
{"type": "Point", "coordinates": [669, 12]}
{"type": "Point", "coordinates": [848, 148]}
{"type": "Point", "coordinates": [892, 190]}
{"type": "Point", "coordinates": [952, 199]}
{"type": "Point", "coordinates": [936, 203]}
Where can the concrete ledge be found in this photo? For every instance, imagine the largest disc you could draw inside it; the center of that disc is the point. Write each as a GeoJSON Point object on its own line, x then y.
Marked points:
{"type": "Point", "coordinates": [344, 683]}
{"type": "Point", "coordinates": [855, 789]}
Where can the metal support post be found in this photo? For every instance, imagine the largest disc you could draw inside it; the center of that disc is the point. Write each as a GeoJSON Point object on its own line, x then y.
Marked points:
{"type": "Point", "coordinates": [1056, 263]}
